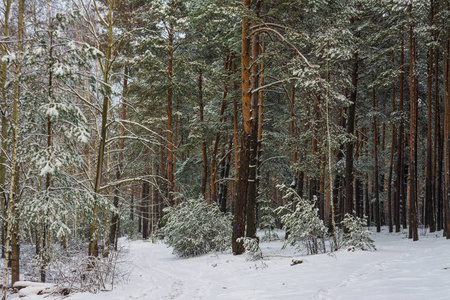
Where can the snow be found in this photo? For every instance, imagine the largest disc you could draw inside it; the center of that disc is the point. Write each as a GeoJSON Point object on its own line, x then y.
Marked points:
{"type": "Point", "coordinates": [399, 269]}
{"type": "Point", "coordinates": [30, 289]}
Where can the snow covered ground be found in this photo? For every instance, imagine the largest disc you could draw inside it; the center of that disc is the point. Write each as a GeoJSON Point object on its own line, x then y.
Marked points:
{"type": "Point", "coordinates": [399, 269]}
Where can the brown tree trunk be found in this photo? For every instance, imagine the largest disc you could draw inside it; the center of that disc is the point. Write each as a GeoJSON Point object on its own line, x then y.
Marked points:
{"type": "Point", "coordinates": [375, 154]}
{"type": "Point", "coordinates": [244, 157]}
{"type": "Point", "coordinates": [145, 208]}
{"type": "Point", "coordinates": [438, 150]}
{"type": "Point", "coordinates": [446, 141]}
{"type": "Point", "coordinates": [348, 204]}
{"type": "Point", "coordinates": [429, 207]}
{"type": "Point", "coordinates": [413, 139]}
{"type": "Point", "coordinates": [399, 165]}
{"type": "Point", "coordinates": [252, 187]}
{"type": "Point", "coordinates": [170, 145]}
{"type": "Point", "coordinates": [204, 150]}
{"type": "Point", "coordinates": [214, 166]}
{"type": "Point", "coordinates": [391, 162]}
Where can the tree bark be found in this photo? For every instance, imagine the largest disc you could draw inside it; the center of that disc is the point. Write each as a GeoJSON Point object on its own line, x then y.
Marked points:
{"type": "Point", "coordinates": [429, 207]}
{"type": "Point", "coordinates": [399, 165]}
{"type": "Point", "coordinates": [375, 154]}
{"type": "Point", "coordinates": [4, 121]}
{"type": "Point", "coordinates": [253, 163]}
{"type": "Point", "coordinates": [413, 138]}
{"type": "Point", "coordinates": [348, 204]}
{"type": "Point", "coordinates": [244, 157]}
{"type": "Point", "coordinates": [170, 145]}
{"type": "Point", "coordinates": [391, 161]}
{"type": "Point", "coordinates": [204, 150]}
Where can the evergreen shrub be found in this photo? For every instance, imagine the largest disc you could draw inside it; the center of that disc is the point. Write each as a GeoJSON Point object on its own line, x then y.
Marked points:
{"type": "Point", "coordinates": [195, 227]}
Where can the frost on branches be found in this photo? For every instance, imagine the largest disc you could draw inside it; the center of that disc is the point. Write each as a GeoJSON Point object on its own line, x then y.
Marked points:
{"type": "Point", "coordinates": [301, 220]}
{"type": "Point", "coordinates": [195, 227]}
{"type": "Point", "coordinates": [357, 237]}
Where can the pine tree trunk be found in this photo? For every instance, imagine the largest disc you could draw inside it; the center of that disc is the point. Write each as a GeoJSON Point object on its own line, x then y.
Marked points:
{"type": "Point", "coordinates": [399, 165]}
{"type": "Point", "coordinates": [145, 208]}
{"type": "Point", "coordinates": [391, 162]}
{"type": "Point", "coordinates": [204, 150]}
{"type": "Point", "coordinates": [446, 140]}
{"type": "Point", "coordinates": [429, 211]}
{"type": "Point", "coordinates": [170, 145]}
{"type": "Point", "coordinates": [439, 145]}
{"type": "Point", "coordinates": [348, 204]}
{"type": "Point", "coordinates": [413, 139]}
{"type": "Point", "coordinates": [214, 167]}
{"type": "Point", "coordinates": [253, 165]}
{"type": "Point", "coordinates": [375, 154]}
{"type": "Point", "coordinates": [244, 157]}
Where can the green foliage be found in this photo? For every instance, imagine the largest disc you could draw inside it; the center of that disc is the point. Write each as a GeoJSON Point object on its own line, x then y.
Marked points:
{"type": "Point", "coordinates": [357, 235]}
{"type": "Point", "coordinates": [301, 221]}
{"type": "Point", "coordinates": [195, 227]}
{"type": "Point", "coordinates": [251, 246]}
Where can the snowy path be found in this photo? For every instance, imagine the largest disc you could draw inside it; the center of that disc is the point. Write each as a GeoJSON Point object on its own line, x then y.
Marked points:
{"type": "Point", "coordinates": [400, 269]}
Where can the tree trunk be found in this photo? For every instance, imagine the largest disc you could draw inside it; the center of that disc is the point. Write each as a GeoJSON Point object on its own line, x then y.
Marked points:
{"type": "Point", "coordinates": [446, 141]}
{"type": "Point", "coordinates": [348, 204]}
{"type": "Point", "coordinates": [413, 139]}
{"type": "Point", "coordinates": [4, 133]}
{"type": "Point", "coordinates": [399, 166]}
{"type": "Point", "coordinates": [252, 187]}
{"type": "Point", "coordinates": [223, 106]}
{"type": "Point", "coordinates": [244, 157]}
{"type": "Point", "coordinates": [170, 145]}
{"type": "Point", "coordinates": [204, 150]}
{"type": "Point", "coordinates": [145, 208]}
{"type": "Point", "coordinates": [429, 207]}
{"type": "Point", "coordinates": [391, 162]}
{"type": "Point", "coordinates": [375, 154]}
{"type": "Point", "coordinates": [12, 232]}
{"type": "Point", "coordinates": [106, 68]}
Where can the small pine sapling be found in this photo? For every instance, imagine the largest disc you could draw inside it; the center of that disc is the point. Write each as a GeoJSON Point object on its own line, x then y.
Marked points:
{"type": "Point", "coordinates": [358, 237]}
{"type": "Point", "coordinates": [195, 227]}
{"type": "Point", "coordinates": [267, 219]}
{"type": "Point", "coordinates": [300, 218]}
{"type": "Point", "coordinates": [251, 246]}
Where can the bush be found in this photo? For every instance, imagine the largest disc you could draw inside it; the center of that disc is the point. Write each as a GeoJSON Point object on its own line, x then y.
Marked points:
{"type": "Point", "coordinates": [300, 219]}
{"type": "Point", "coordinates": [357, 236]}
{"type": "Point", "coordinates": [251, 245]}
{"type": "Point", "coordinates": [194, 228]}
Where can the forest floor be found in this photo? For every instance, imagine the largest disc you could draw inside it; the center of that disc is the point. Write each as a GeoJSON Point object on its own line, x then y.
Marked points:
{"type": "Point", "coordinates": [398, 269]}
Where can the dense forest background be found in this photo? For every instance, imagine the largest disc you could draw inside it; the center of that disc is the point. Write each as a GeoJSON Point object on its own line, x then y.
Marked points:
{"type": "Point", "coordinates": [112, 110]}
